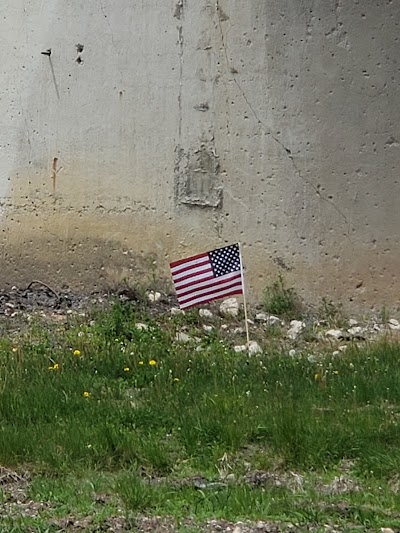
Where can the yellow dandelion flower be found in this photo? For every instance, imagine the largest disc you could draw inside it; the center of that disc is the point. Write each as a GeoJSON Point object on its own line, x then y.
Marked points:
{"type": "Point", "coordinates": [77, 353]}
{"type": "Point", "coordinates": [86, 394]}
{"type": "Point", "coordinates": [15, 349]}
{"type": "Point", "coordinates": [316, 377]}
{"type": "Point", "coordinates": [56, 366]}
{"type": "Point", "coordinates": [126, 369]}
{"type": "Point", "coordinates": [176, 380]}
{"type": "Point", "coordinates": [152, 362]}
{"type": "Point", "coordinates": [141, 363]}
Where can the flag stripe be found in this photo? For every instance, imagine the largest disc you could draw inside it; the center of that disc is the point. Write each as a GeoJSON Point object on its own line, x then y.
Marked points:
{"type": "Point", "coordinates": [222, 280]}
{"type": "Point", "coordinates": [215, 288]}
{"type": "Point", "coordinates": [176, 264]}
{"type": "Point", "coordinates": [196, 271]}
{"type": "Point", "coordinates": [188, 268]}
{"type": "Point", "coordinates": [195, 279]}
{"type": "Point", "coordinates": [211, 297]}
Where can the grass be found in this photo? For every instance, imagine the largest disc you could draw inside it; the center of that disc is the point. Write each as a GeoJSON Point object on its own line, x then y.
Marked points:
{"type": "Point", "coordinates": [278, 299]}
{"type": "Point", "coordinates": [96, 406]}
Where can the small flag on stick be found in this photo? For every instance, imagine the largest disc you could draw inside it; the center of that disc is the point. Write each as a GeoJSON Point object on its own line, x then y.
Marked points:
{"type": "Point", "coordinates": [209, 276]}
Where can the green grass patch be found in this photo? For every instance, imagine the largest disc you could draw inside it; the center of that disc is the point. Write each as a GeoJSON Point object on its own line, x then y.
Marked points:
{"type": "Point", "coordinates": [99, 395]}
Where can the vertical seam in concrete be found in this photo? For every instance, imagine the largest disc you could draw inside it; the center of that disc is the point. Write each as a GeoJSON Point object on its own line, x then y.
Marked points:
{"type": "Point", "coordinates": [181, 43]}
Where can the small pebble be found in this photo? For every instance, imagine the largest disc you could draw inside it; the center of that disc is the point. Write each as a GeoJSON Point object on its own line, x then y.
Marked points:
{"type": "Point", "coordinates": [183, 337]}
{"type": "Point", "coordinates": [205, 313]}
{"type": "Point", "coordinates": [154, 296]}
{"type": "Point", "coordinates": [141, 327]}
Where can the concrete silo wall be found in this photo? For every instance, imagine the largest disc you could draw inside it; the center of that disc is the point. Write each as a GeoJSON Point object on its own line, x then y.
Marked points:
{"type": "Point", "coordinates": [156, 129]}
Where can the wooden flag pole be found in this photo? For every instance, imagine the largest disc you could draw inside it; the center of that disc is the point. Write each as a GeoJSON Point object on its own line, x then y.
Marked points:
{"type": "Point", "coordinates": [244, 297]}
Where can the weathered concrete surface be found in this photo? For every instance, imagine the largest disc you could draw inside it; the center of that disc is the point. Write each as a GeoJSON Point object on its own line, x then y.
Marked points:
{"type": "Point", "coordinates": [159, 129]}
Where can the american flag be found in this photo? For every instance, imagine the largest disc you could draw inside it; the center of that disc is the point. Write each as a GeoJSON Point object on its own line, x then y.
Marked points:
{"type": "Point", "coordinates": [209, 276]}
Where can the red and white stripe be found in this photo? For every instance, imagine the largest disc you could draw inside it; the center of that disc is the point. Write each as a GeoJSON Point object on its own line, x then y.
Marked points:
{"type": "Point", "coordinates": [195, 282]}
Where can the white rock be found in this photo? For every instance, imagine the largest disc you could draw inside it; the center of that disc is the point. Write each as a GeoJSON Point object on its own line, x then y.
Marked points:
{"type": "Point", "coordinates": [356, 330]}
{"type": "Point", "coordinates": [229, 307]}
{"type": "Point", "coordinates": [237, 529]}
{"type": "Point", "coordinates": [176, 311]}
{"type": "Point", "coordinates": [394, 324]}
{"type": "Point", "coordinates": [353, 322]}
{"type": "Point", "coordinates": [205, 313]}
{"type": "Point", "coordinates": [239, 349]}
{"type": "Point", "coordinates": [254, 348]}
{"type": "Point", "coordinates": [292, 353]}
{"type": "Point", "coordinates": [387, 530]}
{"type": "Point", "coordinates": [141, 327]}
{"type": "Point", "coordinates": [334, 333]}
{"type": "Point", "coordinates": [273, 320]}
{"type": "Point", "coordinates": [207, 328]}
{"type": "Point", "coordinates": [296, 326]}
{"type": "Point", "coordinates": [336, 353]}
{"type": "Point", "coordinates": [183, 337]}
{"type": "Point", "coordinates": [153, 296]}
{"type": "Point", "coordinates": [224, 326]}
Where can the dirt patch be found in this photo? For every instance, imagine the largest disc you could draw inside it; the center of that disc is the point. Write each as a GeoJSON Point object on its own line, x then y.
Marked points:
{"type": "Point", "coordinates": [38, 296]}
{"type": "Point", "coordinates": [111, 524]}
{"type": "Point", "coordinates": [265, 479]}
{"type": "Point", "coordinates": [15, 502]}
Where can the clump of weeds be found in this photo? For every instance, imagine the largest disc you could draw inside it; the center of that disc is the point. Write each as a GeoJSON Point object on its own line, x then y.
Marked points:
{"type": "Point", "coordinates": [280, 300]}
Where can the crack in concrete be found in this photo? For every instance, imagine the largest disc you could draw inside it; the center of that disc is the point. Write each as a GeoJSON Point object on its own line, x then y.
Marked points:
{"type": "Point", "coordinates": [267, 131]}
{"type": "Point", "coordinates": [102, 8]}
{"type": "Point", "coordinates": [108, 23]}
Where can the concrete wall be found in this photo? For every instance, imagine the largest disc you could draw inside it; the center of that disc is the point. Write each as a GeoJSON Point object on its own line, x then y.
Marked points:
{"type": "Point", "coordinates": [161, 128]}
